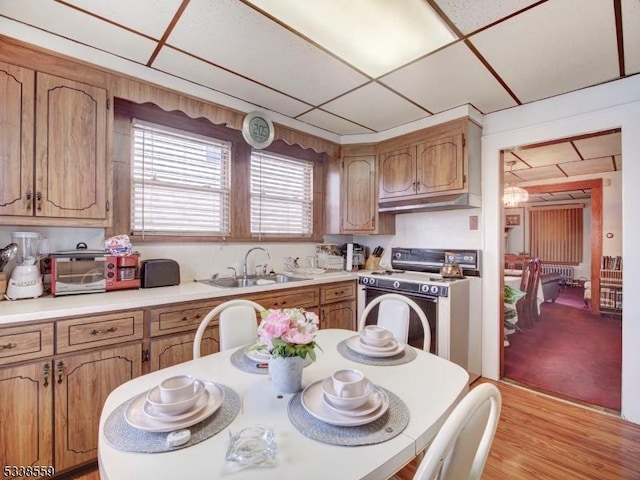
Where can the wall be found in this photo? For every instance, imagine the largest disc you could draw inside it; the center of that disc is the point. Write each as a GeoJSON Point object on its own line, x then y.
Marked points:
{"type": "Point", "coordinates": [197, 260]}
{"type": "Point", "coordinates": [612, 105]}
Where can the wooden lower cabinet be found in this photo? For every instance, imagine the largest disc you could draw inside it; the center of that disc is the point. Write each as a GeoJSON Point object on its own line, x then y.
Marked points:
{"type": "Point", "coordinates": [81, 385]}
{"type": "Point", "coordinates": [173, 349]}
{"type": "Point", "coordinates": [339, 315]}
{"type": "Point", "coordinates": [338, 307]}
{"type": "Point", "coordinates": [26, 403]}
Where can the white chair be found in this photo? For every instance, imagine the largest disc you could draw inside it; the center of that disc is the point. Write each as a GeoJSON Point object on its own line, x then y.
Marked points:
{"type": "Point", "coordinates": [237, 324]}
{"type": "Point", "coordinates": [461, 446]}
{"type": "Point", "coordinates": [393, 314]}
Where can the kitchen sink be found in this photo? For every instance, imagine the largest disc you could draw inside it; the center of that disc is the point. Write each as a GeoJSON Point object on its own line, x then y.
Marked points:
{"type": "Point", "coordinates": [228, 282]}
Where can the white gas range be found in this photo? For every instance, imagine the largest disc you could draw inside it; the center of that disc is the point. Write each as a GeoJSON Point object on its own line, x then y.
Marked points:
{"type": "Point", "coordinates": [446, 301]}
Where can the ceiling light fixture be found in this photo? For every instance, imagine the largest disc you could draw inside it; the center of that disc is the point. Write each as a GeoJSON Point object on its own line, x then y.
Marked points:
{"type": "Point", "coordinates": [374, 36]}
{"type": "Point", "coordinates": [514, 195]}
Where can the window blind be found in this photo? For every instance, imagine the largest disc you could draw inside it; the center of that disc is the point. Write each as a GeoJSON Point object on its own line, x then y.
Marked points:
{"type": "Point", "coordinates": [557, 233]}
{"type": "Point", "coordinates": [281, 195]}
{"type": "Point", "coordinates": [180, 182]}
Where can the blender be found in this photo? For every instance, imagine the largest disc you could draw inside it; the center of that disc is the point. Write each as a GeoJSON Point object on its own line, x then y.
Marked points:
{"type": "Point", "coordinates": [26, 279]}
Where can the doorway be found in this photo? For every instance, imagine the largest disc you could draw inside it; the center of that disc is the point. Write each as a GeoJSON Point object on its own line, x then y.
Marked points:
{"type": "Point", "coordinates": [528, 358]}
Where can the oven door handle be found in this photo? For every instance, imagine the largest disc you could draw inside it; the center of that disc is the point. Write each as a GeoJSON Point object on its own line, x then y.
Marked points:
{"type": "Point", "coordinates": [422, 296]}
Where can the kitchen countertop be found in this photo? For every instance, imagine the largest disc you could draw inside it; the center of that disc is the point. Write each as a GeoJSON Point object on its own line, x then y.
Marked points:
{"type": "Point", "coordinates": [50, 307]}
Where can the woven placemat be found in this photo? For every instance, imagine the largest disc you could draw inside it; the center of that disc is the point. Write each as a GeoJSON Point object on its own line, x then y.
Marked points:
{"type": "Point", "coordinates": [244, 363]}
{"type": "Point", "coordinates": [407, 355]}
{"type": "Point", "coordinates": [389, 425]}
{"type": "Point", "coordinates": [123, 436]}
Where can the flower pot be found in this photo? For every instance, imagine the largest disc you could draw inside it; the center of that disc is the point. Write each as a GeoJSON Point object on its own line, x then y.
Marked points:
{"type": "Point", "coordinates": [286, 374]}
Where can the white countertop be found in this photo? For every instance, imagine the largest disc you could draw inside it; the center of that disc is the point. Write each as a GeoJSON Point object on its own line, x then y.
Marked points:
{"type": "Point", "coordinates": [49, 307]}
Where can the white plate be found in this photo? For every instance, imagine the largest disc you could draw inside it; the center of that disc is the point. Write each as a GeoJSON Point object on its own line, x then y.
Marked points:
{"type": "Point", "coordinates": [312, 398]}
{"type": "Point", "coordinates": [136, 417]}
{"type": "Point", "coordinates": [392, 345]}
{"type": "Point", "coordinates": [258, 356]}
{"type": "Point", "coordinates": [357, 346]}
{"type": "Point", "coordinates": [373, 402]}
{"type": "Point", "coordinates": [152, 412]}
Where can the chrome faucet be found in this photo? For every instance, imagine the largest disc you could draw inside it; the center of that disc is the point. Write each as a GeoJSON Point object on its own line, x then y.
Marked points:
{"type": "Point", "coordinates": [244, 266]}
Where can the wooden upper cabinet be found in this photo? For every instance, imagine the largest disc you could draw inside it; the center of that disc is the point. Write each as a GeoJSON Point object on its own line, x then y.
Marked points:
{"type": "Point", "coordinates": [71, 122]}
{"type": "Point", "coordinates": [424, 163]}
{"type": "Point", "coordinates": [53, 148]}
{"type": "Point", "coordinates": [16, 139]}
{"type": "Point", "coordinates": [359, 193]}
{"type": "Point", "coordinates": [440, 165]}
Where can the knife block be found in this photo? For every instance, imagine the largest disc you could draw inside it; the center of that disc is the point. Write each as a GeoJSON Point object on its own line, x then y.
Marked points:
{"type": "Point", "coordinates": [372, 263]}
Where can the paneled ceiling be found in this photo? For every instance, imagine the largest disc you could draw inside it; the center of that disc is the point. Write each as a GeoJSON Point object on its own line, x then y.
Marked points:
{"type": "Point", "coordinates": [504, 53]}
{"type": "Point", "coordinates": [588, 154]}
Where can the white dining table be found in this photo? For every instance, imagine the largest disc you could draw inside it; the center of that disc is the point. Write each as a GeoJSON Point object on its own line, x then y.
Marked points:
{"type": "Point", "coordinates": [430, 387]}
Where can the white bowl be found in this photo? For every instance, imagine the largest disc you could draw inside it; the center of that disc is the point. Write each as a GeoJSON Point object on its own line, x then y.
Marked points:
{"type": "Point", "coordinates": [376, 336]}
{"type": "Point", "coordinates": [176, 408]}
{"type": "Point", "coordinates": [346, 403]}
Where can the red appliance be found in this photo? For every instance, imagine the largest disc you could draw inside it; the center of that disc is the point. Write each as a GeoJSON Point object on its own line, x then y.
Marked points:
{"type": "Point", "coordinates": [122, 272]}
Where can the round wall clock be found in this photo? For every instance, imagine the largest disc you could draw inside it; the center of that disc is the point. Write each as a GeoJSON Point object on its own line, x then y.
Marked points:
{"type": "Point", "coordinates": [257, 130]}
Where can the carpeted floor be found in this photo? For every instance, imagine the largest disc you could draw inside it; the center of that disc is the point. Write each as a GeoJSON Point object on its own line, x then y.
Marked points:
{"type": "Point", "coordinates": [570, 352]}
{"type": "Point", "coordinates": [572, 297]}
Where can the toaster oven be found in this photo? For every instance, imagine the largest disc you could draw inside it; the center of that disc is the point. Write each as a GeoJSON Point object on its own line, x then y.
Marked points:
{"type": "Point", "coordinates": [78, 273]}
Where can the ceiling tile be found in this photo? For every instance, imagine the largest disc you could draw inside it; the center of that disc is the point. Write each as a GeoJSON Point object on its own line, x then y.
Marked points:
{"type": "Point", "coordinates": [548, 154]}
{"type": "Point", "coordinates": [375, 107]}
{"type": "Point", "coordinates": [191, 69]}
{"type": "Point", "coordinates": [631, 35]}
{"type": "Point", "coordinates": [151, 17]}
{"type": "Point", "coordinates": [553, 48]}
{"type": "Point", "coordinates": [80, 27]}
{"type": "Point", "coordinates": [233, 35]}
{"type": "Point", "coordinates": [600, 146]}
{"type": "Point", "coordinates": [332, 123]}
{"type": "Point", "coordinates": [586, 167]}
{"type": "Point", "coordinates": [540, 173]}
{"type": "Point", "coordinates": [449, 78]}
{"type": "Point", "coordinates": [470, 15]}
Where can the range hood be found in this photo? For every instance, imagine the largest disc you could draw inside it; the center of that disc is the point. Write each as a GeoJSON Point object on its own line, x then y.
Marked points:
{"type": "Point", "coordinates": [430, 204]}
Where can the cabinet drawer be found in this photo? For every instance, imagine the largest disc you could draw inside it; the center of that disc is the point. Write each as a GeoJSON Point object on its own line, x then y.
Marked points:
{"type": "Point", "coordinates": [337, 292]}
{"type": "Point", "coordinates": [293, 298]}
{"type": "Point", "coordinates": [180, 318]}
{"type": "Point", "coordinates": [98, 330]}
{"type": "Point", "coordinates": [25, 343]}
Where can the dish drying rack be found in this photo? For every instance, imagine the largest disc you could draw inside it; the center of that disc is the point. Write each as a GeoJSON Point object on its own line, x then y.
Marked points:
{"type": "Point", "coordinates": [307, 267]}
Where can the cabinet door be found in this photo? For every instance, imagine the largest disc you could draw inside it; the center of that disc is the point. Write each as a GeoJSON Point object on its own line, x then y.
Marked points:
{"type": "Point", "coordinates": [25, 409]}
{"type": "Point", "coordinates": [440, 165]}
{"type": "Point", "coordinates": [16, 140]}
{"type": "Point", "coordinates": [82, 384]}
{"type": "Point", "coordinates": [359, 194]}
{"type": "Point", "coordinates": [71, 121]}
{"type": "Point", "coordinates": [339, 315]}
{"type": "Point", "coordinates": [397, 173]}
{"type": "Point", "coordinates": [174, 349]}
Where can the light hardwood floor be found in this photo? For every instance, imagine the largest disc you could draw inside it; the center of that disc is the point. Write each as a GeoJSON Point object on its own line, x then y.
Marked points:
{"type": "Point", "coordinates": [543, 438]}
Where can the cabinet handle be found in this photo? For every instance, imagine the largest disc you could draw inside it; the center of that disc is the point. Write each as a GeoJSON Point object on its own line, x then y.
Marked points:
{"type": "Point", "coordinates": [103, 330]}
{"type": "Point", "coordinates": [28, 194]}
{"type": "Point", "coordinates": [8, 346]}
{"type": "Point", "coordinates": [60, 371]}
{"type": "Point", "coordinates": [39, 200]}
{"type": "Point", "coordinates": [45, 370]}
{"type": "Point", "coordinates": [418, 187]}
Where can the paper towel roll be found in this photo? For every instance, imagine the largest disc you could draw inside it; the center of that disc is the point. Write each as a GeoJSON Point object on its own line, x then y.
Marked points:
{"type": "Point", "coordinates": [349, 257]}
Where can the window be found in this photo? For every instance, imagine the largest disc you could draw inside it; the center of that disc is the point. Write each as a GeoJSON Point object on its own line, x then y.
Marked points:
{"type": "Point", "coordinates": [281, 195]}
{"type": "Point", "coordinates": [180, 182]}
{"type": "Point", "coordinates": [556, 233]}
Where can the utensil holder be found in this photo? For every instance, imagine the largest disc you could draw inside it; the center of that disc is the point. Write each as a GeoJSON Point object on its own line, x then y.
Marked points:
{"type": "Point", "coordinates": [372, 263]}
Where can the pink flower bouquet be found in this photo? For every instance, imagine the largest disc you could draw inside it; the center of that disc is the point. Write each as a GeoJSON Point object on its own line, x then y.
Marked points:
{"type": "Point", "coordinates": [288, 332]}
